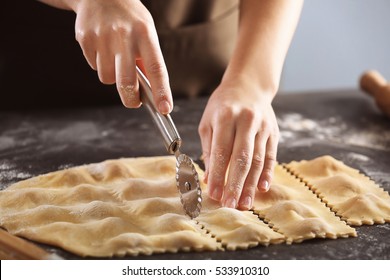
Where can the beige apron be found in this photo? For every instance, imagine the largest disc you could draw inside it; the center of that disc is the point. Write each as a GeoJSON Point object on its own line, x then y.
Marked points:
{"type": "Point", "coordinates": [197, 38]}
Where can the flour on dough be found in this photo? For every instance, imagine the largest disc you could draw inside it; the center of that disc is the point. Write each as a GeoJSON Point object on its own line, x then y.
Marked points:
{"type": "Point", "coordinates": [293, 210]}
{"type": "Point", "coordinates": [236, 229]}
{"type": "Point", "coordinates": [350, 194]}
{"type": "Point", "coordinates": [132, 206]}
{"type": "Point", "coordinates": [114, 208]}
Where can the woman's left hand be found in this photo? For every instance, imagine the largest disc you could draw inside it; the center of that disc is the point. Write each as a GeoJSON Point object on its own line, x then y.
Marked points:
{"type": "Point", "coordinates": [239, 135]}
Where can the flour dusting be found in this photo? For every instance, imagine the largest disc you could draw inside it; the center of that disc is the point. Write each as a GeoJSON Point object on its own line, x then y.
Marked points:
{"type": "Point", "coordinates": [296, 130]}
{"type": "Point", "coordinates": [9, 174]}
{"type": "Point", "coordinates": [358, 157]}
{"type": "Point", "coordinates": [65, 166]}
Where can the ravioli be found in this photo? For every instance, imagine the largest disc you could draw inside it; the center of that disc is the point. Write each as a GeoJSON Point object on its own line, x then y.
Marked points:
{"type": "Point", "coordinates": [350, 194]}
{"type": "Point", "coordinates": [114, 208]}
{"type": "Point", "coordinates": [131, 206]}
{"type": "Point", "coordinates": [293, 210]}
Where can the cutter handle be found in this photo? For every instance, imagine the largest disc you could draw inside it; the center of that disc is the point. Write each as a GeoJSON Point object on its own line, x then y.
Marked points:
{"type": "Point", "coordinates": [164, 123]}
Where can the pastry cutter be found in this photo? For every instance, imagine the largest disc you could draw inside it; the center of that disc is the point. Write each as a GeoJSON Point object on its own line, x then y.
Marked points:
{"type": "Point", "coordinates": [187, 179]}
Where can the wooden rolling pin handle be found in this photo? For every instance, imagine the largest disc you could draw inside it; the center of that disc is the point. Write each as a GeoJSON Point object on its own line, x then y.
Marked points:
{"type": "Point", "coordinates": [373, 83]}
{"type": "Point", "coordinates": [15, 248]}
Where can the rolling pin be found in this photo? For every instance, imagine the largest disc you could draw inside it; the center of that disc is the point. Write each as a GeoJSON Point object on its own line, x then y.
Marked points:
{"type": "Point", "coordinates": [373, 83]}
{"type": "Point", "coordinates": [15, 248]}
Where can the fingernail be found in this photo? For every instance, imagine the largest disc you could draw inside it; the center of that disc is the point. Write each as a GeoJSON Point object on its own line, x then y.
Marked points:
{"type": "Point", "coordinates": [215, 194]}
{"type": "Point", "coordinates": [231, 203]}
{"type": "Point", "coordinates": [164, 107]}
{"type": "Point", "coordinates": [264, 186]}
{"type": "Point", "coordinates": [247, 203]}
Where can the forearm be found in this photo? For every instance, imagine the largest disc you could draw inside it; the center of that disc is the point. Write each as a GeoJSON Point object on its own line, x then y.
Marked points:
{"type": "Point", "coordinates": [265, 32]}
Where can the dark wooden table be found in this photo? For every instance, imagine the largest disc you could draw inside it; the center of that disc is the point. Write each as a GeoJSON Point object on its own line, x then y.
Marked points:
{"type": "Point", "coordinates": [344, 124]}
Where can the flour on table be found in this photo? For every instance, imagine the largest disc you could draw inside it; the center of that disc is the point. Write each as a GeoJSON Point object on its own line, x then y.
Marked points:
{"type": "Point", "coordinates": [9, 172]}
{"type": "Point", "coordinates": [296, 122]}
{"type": "Point", "coordinates": [358, 157]}
{"type": "Point", "coordinates": [297, 130]}
{"type": "Point", "coordinates": [65, 166]}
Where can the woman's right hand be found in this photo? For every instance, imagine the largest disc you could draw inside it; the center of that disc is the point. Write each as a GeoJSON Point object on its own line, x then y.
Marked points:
{"type": "Point", "coordinates": [115, 35]}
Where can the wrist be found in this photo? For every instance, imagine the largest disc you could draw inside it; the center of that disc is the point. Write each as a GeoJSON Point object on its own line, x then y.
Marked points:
{"type": "Point", "coordinates": [253, 83]}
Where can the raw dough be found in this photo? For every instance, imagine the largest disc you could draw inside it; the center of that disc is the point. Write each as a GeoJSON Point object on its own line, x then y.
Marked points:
{"type": "Point", "coordinates": [353, 196]}
{"type": "Point", "coordinates": [293, 210]}
{"type": "Point", "coordinates": [131, 206]}
{"type": "Point", "coordinates": [236, 229]}
{"type": "Point", "coordinates": [117, 207]}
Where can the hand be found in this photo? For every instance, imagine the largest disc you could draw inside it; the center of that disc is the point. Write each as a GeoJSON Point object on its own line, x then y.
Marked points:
{"type": "Point", "coordinates": [239, 135]}
{"type": "Point", "coordinates": [113, 36]}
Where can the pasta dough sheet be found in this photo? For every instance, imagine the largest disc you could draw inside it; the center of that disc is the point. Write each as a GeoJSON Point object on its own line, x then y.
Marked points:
{"type": "Point", "coordinates": [294, 211]}
{"type": "Point", "coordinates": [132, 206]}
{"type": "Point", "coordinates": [350, 194]}
{"type": "Point", "coordinates": [236, 229]}
{"type": "Point", "coordinates": [117, 207]}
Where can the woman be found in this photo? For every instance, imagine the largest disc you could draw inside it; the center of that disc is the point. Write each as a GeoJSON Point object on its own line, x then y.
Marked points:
{"type": "Point", "coordinates": [240, 66]}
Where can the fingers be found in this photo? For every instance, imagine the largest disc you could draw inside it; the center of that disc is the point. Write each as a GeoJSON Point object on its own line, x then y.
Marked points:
{"type": "Point", "coordinates": [205, 132]}
{"type": "Point", "coordinates": [221, 149]}
{"type": "Point", "coordinates": [87, 45]}
{"type": "Point", "coordinates": [252, 180]}
{"type": "Point", "coordinates": [156, 71]}
{"type": "Point", "coordinates": [252, 165]}
{"type": "Point", "coordinates": [240, 164]}
{"type": "Point", "coordinates": [99, 55]}
{"type": "Point", "coordinates": [118, 66]}
{"type": "Point", "coordinates": [113, 38]}
{"type": "Point", "coordinates": [239, 158]}
{"type": "Point", "coordinates": [105, 61]}
{"type": "Point", "coordinates": [126, 80]}
{"type": "Point", "coordinates": [269, 163]}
